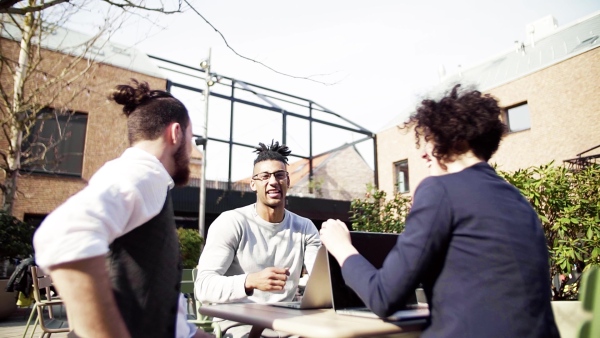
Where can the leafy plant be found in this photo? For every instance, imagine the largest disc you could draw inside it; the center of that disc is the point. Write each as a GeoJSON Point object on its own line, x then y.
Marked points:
{"type": "Point", "coordinates": [568, 204]}
{"type": "Point", "coordinates": [16, 241]}
{"type": "Point", "coordinates": [375, 213]}
{"type": "Point", "coordinates": [16, 237]}
{"type": "Point", "coordinates": [191, 244]}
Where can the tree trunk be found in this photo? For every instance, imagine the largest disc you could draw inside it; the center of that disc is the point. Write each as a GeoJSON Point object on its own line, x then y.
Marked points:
{"type": "Point", "coordinates": [16, 128]}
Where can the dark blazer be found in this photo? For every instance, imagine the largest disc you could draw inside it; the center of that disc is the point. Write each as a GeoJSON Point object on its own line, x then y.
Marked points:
{"type": "Point", "coordinates": [477, 247]}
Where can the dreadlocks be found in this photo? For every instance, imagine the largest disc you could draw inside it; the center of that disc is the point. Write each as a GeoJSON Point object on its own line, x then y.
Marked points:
{"type": "Point", "coordinates": [273, 152]}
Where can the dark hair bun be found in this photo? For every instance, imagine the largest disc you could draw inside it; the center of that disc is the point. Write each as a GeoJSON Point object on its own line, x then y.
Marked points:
{"type": "Point", "coordinates": [133, 96]}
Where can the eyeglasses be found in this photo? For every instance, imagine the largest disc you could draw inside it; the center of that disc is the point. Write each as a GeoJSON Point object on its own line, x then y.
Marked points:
{"type": "Point", "coordinates": [265, 176]}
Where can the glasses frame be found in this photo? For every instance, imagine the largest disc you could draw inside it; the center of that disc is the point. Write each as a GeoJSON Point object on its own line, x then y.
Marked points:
{"type": "Point", "coordinates": [256, 178]}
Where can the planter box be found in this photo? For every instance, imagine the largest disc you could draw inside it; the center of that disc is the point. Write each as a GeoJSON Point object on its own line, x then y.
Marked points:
{"type": "Point", "coordinates": [8, 300]}
{"type": "Point", "coordinates": [569, 316]}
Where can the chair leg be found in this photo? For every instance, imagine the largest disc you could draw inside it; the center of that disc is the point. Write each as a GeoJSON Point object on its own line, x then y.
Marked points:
{"type": "Point", "coordinates": [33, 311]}
{"type": "Point", "coordinates": [217, 330]}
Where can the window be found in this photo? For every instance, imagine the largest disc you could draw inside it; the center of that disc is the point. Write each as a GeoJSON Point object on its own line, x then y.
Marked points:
{"type": "Point", "coordinates": [56, 143]}
{"type": "Point", "coordinates": [517, 118]}
{"type": "Point", "coordinates": [401, 177]}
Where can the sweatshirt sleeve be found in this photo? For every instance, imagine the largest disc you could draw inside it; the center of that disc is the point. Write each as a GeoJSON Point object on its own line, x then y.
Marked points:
{"type": "Point", "coordinates": [211, 285]}
{"type": "Point", "coordinates": [312, 242]}
{"type": "Point", "coordinates": [426, 236]}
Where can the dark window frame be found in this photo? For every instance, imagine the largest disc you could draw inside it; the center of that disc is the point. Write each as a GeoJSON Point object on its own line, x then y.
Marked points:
{"type": "Point", "coordinates": [506, 116]}
{"type": "Point", "coordinates": [70, 149]}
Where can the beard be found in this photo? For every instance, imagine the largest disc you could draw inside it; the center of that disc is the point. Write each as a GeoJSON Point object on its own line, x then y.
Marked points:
{"type": "Point", "coordinates": [182, 166]}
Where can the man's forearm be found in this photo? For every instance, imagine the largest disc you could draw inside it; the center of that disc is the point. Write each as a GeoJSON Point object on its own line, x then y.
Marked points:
{"type": "Point", "coordinates": [85, 288]}
{"type": "Point", "coordinates": [214, 288]}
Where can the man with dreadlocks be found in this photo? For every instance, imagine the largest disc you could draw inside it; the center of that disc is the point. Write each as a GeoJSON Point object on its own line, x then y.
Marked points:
{"type": "Point", "coordinates": [256, 253]}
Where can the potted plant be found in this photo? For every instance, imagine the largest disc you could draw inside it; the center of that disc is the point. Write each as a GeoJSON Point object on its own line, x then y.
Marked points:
{"type": "Point", "coordinates": [15, 243]}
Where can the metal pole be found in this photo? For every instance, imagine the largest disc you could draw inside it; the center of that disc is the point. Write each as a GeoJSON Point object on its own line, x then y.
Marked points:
{"type": "Point", "coordinates": [202, 207]}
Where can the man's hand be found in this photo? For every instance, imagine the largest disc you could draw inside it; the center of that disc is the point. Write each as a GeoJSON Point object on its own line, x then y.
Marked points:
{"type": "Point", "coordinates": [269, 279]}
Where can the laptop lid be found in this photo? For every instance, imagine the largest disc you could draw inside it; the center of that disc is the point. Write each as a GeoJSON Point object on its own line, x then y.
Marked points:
{"type": "Point", "coordinates": [317, 292]}
{"type": "Point", "coordinates": [374, 246]}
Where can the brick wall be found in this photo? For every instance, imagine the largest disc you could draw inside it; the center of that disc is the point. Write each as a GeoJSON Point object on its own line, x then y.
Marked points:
{"type": "Point", "coordinates": [106, 134]}
{"type": "Point", "coordinates": [565, 120]}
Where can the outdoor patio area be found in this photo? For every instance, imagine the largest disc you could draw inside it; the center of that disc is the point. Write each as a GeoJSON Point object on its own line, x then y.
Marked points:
{"type": "Point", "coordinates": [14, 326]}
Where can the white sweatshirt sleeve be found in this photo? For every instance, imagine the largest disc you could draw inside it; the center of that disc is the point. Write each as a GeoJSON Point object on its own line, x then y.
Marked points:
{"type": "Point", "coordinates": [211, 284]}
{"type": "Point", "coordinates": [313, 242]}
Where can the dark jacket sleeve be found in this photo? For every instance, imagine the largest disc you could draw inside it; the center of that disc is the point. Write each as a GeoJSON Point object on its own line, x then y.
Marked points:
{"type": "Point", "coordinates": [21, 280]}
{"type": "Point", "coordinates": [421, 246]}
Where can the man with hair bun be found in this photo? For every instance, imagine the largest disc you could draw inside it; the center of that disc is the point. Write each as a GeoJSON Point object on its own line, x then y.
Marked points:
{"type": "Point", "coordinates": [256, 253]}
{"type": "Point", "coordinates": [112, 249]}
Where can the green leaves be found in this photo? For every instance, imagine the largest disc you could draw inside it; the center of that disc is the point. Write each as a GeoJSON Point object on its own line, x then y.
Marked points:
{"type": "Point", "coordinates": [16, 237]}
{"type": "Point", "coordinates": [191, 245]}
{"type": "Point", "coordinates": [568, 205]}
{"type": "Point", "coordinates": [377, 213]}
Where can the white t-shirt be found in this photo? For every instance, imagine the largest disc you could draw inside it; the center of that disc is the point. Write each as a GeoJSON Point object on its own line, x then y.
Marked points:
{"type": "Point", "coordinates": [122, 195]}
{"type": "Point", "coordinates": [240, 242]}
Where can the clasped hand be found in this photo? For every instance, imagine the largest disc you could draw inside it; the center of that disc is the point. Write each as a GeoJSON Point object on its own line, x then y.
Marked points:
{"type": "Point", "coordinates": [269, 279]}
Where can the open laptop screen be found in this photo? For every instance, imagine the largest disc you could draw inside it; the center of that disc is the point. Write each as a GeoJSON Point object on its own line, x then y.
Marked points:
{"type": "Point", "coordinates": [375, 248]}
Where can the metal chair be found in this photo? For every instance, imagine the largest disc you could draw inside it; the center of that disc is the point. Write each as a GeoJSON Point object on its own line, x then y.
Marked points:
{"type": "Point", "coordinates": [50, 322]}
{"type": "Point", "coordinates": [194, 317]}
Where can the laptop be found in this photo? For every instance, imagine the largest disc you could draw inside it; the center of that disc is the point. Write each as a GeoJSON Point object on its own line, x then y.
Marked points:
{"type": "Point", "coordinates": [375, 248]}
{"type": "Point", "coordinates": [317, 293]}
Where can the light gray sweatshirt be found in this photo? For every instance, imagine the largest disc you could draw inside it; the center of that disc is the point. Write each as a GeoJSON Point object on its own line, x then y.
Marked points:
{"type": "Point", "coordinates": [240, 242]}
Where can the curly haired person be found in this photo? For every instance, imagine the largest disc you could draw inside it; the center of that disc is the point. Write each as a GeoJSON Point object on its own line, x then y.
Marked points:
{"type": "Point", "coordinates": [112, 249]}
{"type": "Point", "coordinates": [471, 238]}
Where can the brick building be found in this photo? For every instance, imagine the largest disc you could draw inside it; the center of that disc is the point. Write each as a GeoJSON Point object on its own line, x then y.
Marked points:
{"type": "Point", "coordinates": [98, 131]}
{"type": "Point", "coordinates": [548, 87]}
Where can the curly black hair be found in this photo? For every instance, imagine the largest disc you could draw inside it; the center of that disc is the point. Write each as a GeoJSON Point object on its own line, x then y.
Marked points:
{"type": "Point", "coordinates": [459, 122]}
{"type": "Point", "coordinates": [148, 111]}
{"type": "Point", "coordinates": [273, 152]}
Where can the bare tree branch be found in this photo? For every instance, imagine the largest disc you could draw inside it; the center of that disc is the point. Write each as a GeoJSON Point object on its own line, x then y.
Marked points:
{"type": "Point", "coordinates": [9, 6]}
{"type": "Point", "coordinates": [126, 4]}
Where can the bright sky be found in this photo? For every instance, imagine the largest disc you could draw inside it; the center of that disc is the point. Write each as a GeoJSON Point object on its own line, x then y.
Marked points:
{"type": "Point", "coordinates": [382, 55]}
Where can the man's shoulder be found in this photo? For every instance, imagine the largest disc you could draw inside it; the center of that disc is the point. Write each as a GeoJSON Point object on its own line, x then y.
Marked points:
{"type": "Point", "coordinates": [296, 217]}
{"type": "Point", "coordinates": [235, 218]}
{"type": "Point", "coordinates": [127, 170]}
{"type": "Point", "coordinates": [239, 213]}
{"type": "Point", "coordinates": [297, 221]}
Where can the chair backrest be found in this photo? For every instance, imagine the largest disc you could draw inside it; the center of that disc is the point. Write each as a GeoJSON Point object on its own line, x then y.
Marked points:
{"type": "Point", "coordinates": [57, 314]}
{"type": "Point", "coordinates": [187, 282]}
{"type": "Point", "coordinates": [589, 294]}
{"type": "Point", "coordinates": [41, 281]}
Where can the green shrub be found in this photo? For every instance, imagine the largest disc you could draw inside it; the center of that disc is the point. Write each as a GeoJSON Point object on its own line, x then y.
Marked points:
{"type": "Point", "coordinates": [16, 237]}
{"type": "Point", "coordinates": [376, 214]}
{"type": "Point", "coordinates": [190, 243]}
{"type": "Point", "coordinates": [568, 204]}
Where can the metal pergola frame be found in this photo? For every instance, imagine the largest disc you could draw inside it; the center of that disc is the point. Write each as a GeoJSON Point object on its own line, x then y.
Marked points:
{"type": "Point", "coordinates": [267, 95]}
